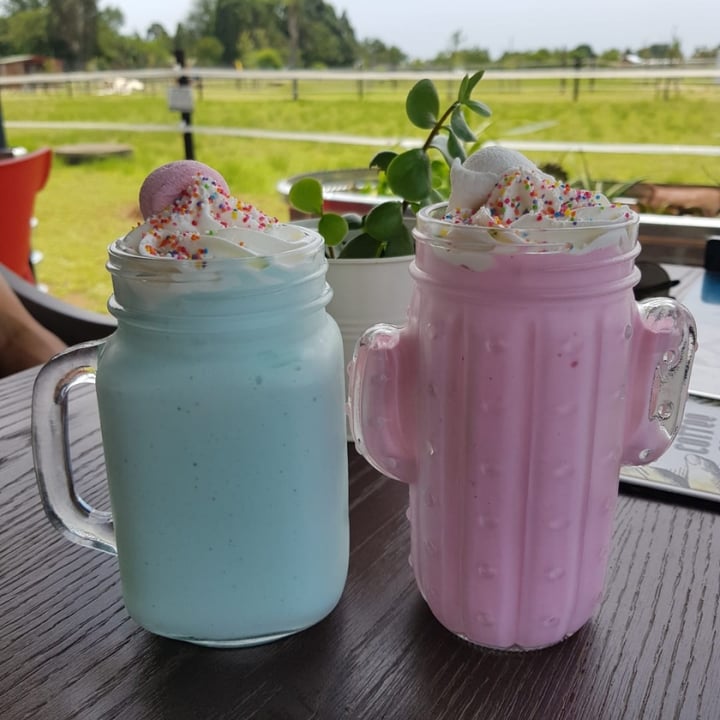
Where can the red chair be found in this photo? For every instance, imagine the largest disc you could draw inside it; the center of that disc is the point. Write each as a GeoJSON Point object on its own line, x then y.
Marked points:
{"type": "Point", "coordinates": [21, 178]}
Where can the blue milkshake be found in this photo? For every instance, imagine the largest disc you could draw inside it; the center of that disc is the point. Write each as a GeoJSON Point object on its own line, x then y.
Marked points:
{"type": "Point", "coordinates": [221, 402]}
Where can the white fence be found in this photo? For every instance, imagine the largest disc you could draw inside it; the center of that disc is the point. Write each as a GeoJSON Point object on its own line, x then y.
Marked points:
{"type": "Point", "coordinates": [169, 77]}
{"type": "Point", "coordinates": [364, 140]}
{"type": "Point", "coordinates": [666, 72]}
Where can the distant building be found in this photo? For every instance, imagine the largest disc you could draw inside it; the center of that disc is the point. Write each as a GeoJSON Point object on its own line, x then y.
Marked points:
{"type": "Point", "coordinates": [28, 64]}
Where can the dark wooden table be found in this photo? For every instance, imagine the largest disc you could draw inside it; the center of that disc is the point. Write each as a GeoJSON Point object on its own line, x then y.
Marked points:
{"type": "Point", "coordinates": [69, 650]}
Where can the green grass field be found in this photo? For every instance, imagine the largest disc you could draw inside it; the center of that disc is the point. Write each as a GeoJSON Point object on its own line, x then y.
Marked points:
{"type": "Point", "coordinates": [85, 206]}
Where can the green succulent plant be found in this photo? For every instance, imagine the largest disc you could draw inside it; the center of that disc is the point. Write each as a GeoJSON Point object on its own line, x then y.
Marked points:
{"type": "Point", "coordinates": [414, 176]}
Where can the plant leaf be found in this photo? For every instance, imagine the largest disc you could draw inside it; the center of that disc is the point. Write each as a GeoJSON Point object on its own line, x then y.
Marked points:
{"type": "Point", "coordinates": [333, 228]}
{"type": "Point", "coordinates": [385, 221]}
{"type": "Point", "coordinates": [409, 175]}
{"type": "Point", "coordinates": [440, 173]}
{"type": "Point", "coordinates": [306, 195]}
{"type": "Point", "coordinates": [362, 246]}
{"type": "Point", "coordinates": [454, 146]}
{"type": "Point", "coordinates": [472, 81]}
{"type": "Point", "coordinates": [401, 244]}
{"type": "Point", "coordinates": [478, 108]}
{"type": "Point", "coordinates": [463, 92]}
{"type": "Point", "coordinates": [422, 104]}
{"type": "Point", "coordinates": [460, 127]}
{"type": "Point", "coordinates": [383, 159]}
{"type": "Point", "coordinates": [440, 143]}
{"type": "Point", "coordinates": [619, 189]}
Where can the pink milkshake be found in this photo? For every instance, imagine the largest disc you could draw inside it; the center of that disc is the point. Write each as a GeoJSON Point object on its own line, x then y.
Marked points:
{"type": "Point", "coordinates": [525, 376]}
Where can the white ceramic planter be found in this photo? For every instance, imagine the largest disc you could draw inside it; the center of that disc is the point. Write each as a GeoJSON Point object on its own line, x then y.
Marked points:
{"type": "Point", "coordinates": [366, 292]}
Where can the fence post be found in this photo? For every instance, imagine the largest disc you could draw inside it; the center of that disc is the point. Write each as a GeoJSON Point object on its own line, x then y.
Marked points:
{"type": "Point", "coordinates": [186, 115]}
{"type": "Point", "coordinates": [576, 81]}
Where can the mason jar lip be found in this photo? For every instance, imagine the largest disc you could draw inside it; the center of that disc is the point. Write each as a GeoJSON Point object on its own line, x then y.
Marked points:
{"type": "Point", "coordinates": [428, 216]}
{"type": "Point", "coordinates": [315, 242]}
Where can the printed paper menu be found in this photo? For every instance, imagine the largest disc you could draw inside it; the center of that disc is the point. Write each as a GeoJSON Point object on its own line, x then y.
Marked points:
{"type": "Point", "coordinates": [691, 465]}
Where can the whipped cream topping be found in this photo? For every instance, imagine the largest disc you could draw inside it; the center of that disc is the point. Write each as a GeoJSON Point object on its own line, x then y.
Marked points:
{"type": "Point", "coordinates": [500, 188]}
{"type": "Point", "coordinates": [503, 204]}
{"type": "Point", "coordinates": [472, 181]}
{"type": "Point", "coordinates": [204, 222]}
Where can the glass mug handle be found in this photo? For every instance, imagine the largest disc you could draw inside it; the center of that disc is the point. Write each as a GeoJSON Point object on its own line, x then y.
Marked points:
{"type": "Point", "coordinates": [380, 432]}
{"type": "Point", "coordinates": [665, 349]}
{"type": "Point", "coordinates": [68, 512]}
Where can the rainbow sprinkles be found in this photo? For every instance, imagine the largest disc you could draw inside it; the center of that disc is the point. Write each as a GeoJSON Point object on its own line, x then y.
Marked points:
{"type": "Point", "coordinates": [523, 198]}
{"type": "Point", "coordinates": [202, 210]}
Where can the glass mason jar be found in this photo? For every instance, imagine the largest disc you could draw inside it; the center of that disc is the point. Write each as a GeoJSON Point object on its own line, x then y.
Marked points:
{"type": "Point", "coordinates": [221, 403]}
{"type": "Point", "coordinates": [525, 376]}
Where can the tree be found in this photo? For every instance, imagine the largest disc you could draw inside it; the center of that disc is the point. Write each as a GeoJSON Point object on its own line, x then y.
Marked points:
{"type": "Point", "coordinates": [293, 29]}
{"type": "Point", "coordinates": [25, 31]}
{"type": "Point", "coordinates": [675, 55]}
{"type": "Point", "coordinates": [183, 37]}
{"type": "Point", "coordinates": [325, 39]}
{"type": "Point", "coordinates": [11, 7]}
{"type": "Point", "coordinates": [112, 18]}
{"type": "Point", "coordinates": [157, 32]}
{"type": "Point", "coordinates": [611, 57]}
{"type": "Point", "coordinates": [208, 51]}
{"type": "Point", "coordinates": [270, 33]}
{"type": "Point", "coordinates": [201, 20]}
{"type": "Point", "coordinates": [583, 52]}
{"type": "Point", "coordinates": [265, 59]}
{"type": "Point", "coordinates": [302, 32]}
{"type": "Point", "coordinates": [661, 51]}
{"type": "Point", "coordinates": [72, 31]}
{"type": "Point", "coordinates": [115, 50]}
{"type": "Point", "coordinates": [706, 53]}
{"type": "Point", "coordinates": [373, 53]}
{"type": "Point", "coordinates": [234, 16]}
{"type": "Point", "coordinates": [476, 57]}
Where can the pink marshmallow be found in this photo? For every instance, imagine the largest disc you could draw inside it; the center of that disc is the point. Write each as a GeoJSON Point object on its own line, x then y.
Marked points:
{"type": "Point", "coordinates": [163, 185]}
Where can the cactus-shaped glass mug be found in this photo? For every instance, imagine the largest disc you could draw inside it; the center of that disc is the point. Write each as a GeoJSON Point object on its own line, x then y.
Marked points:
{"type": "Point", "coordinates": [525, 377]}
{"type": "Point", "coordinates": [221, 402]}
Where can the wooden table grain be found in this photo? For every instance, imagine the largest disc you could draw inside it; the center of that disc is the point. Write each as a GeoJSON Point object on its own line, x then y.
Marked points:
{"type": "Point", "coordinates": [69, 650]}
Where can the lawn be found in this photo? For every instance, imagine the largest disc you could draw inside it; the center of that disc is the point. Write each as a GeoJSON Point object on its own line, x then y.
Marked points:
{"type": "Point", "coordinates": [85, 206]}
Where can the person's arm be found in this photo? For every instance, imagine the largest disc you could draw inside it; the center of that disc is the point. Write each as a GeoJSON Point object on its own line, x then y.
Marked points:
{"type": "Point", "coordinates": [23, 341]}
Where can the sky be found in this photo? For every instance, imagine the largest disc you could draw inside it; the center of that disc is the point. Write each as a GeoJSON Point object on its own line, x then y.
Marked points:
{"type": "Point", "coordinates": [423, 28]}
